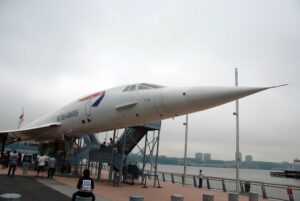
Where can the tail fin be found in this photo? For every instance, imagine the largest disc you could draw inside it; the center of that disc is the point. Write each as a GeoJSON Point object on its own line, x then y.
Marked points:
{"type": "Point", "coordinates": [21, 118]}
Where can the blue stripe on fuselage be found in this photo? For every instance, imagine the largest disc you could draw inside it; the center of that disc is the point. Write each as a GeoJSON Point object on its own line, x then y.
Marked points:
{"type": "Point", "coordinates": [98, 101]}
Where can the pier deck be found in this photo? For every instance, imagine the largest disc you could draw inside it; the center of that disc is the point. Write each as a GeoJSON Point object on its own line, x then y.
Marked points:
{"type": "Point", "coordinates": [104, 191]}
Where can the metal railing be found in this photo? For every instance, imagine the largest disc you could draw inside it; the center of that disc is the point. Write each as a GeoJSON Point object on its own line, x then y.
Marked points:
{"type": "Point", "coordinates": [265, 190]}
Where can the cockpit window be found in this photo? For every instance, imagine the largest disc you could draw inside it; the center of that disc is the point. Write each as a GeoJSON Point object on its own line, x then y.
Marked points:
{"type": "Point", "coordinates": [132, 88]}
{"type": "Point", "coordinates": [127, 88]}
{"type": "Point", "coordinates": [144, 86]}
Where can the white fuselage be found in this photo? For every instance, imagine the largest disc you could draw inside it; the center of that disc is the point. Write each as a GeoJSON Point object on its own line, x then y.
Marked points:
{"type": "Point", "coordinates": [131, 105]}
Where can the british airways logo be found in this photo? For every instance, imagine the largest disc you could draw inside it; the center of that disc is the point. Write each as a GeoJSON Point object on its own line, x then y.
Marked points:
{"type": "Point", "coordinates": [100, 96]}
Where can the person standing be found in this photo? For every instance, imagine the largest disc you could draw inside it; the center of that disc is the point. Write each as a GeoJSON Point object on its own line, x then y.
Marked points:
{"type": "Point", "coordinates": [51, 167]}
{"type": "Point", "coordinates": [5, 159]}
{"type": "Point", "coordinates": [26, 161]}
{"type": "Point", "coordinates": [290, 193]}
{"type": "Point", "coordinates": [41, 164]}
{"type": "Point", "coordinates": [85, 186]}
{"type": "Point", "coordinates": [200, 179]}
{"type": "Point", "coordinates": [247, 186]}
{"type": "Point", "coordinates": [13, 160]}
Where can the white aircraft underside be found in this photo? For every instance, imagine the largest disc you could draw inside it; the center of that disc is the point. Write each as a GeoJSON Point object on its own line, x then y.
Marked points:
{"type": "Point", "coordinates": [126, 106]}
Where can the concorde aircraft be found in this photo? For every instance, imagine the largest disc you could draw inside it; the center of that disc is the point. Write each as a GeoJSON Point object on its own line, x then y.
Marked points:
{"type": "Point", "coordinates": [123, 107]}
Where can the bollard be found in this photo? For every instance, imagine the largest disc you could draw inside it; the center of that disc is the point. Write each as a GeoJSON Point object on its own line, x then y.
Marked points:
{"type": "Point", "coordinates": [233, 197]}
{"type": "Point", "coordinates": [10, 197]}
{"type": "Point", "coordinates": [253, 196]}
{"type": "Point", "coordinates": [208, 197]}
{"type": "Point", "coordinates": [175, 197]}
{"type": "Point", "coordinates": [136, 198]}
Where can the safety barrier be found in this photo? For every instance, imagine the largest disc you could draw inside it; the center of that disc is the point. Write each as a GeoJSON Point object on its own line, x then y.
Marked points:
{"type": "Point", "coordinates": [265, 190]}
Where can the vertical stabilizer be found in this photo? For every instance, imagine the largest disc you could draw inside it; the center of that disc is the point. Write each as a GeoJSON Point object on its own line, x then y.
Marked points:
{"type": "Point", "coordinates": [21, 118]}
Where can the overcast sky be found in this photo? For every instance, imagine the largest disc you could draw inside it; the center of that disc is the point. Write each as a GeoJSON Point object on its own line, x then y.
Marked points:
{"type": "Point", "coordinates": [52, 52]}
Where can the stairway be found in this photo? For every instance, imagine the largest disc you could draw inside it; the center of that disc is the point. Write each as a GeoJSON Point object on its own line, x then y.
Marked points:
{"type": "Point", "coordinates": [128, 140]}
{"type": "Point", "coordinates": [83, 153]}
{"type": "Point", "coordinates": [131, 136]}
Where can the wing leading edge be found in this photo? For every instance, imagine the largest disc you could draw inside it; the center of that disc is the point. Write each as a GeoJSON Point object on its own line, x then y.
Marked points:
{"type": "Point", "coordinates": [31, 133]}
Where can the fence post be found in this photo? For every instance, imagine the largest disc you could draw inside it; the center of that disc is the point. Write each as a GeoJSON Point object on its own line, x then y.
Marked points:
{"type": "Point", "coordinates": [195, 183]}
{"type": "Point", "coordinates": [208, 197]}
{"type": "Point", "coordinates": [172, 178]}
{"type": "Point", "coordinates": [145, 181]}
{"type": "Point", "coordinates": [80, 168]}
{"type": "Point", "coordinates": [242, 187]}
{"type": "Point", "coordinates": [136, 198]}
{"type": "Point", "coordinates": [264, 192]}
{"type": "Point", "coordinates": [223, 185]}
{"type": "Point", "coordinates": [182, 179]}
{"type": "Point", "coordinates": [233, 196]}
{"type": "Point", "coordinates": [163, 174]}
{"type": "Point", "coordinates": [175, 197]}
{"type": "Point", "coordinates": [207, 182]}
{"type": "Point", "coordinates": [253, 196]}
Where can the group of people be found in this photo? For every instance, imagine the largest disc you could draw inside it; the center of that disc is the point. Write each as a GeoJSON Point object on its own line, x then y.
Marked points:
{"type": "Point", "coordinates": [12, 160]}
{"type": "Point", "coordinates": [44, 162]}
{"type": "Point", "coordinates": [85, 184]}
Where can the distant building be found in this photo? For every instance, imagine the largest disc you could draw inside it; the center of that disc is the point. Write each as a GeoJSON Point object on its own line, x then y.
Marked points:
{"type": "Point", "coordinates": [199, 156]}
{"type": "Point", "coordinates": [203, 156]}
{"type": "Point", "coordinates": [248, 159]}
{"type": "Point", "coordinates": [297, 164]}
{"type": "Point", "coordinates": [206, 157]}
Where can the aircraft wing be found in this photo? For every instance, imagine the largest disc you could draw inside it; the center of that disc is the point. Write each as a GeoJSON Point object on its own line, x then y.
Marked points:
{"type": "Point", "coordinates": [30, 133]}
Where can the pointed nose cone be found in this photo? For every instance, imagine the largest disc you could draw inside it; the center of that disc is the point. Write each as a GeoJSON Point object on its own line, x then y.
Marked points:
{"type": "Point", "coordinates": [201, 98]}
{"type": "Point", "coordinates": [172, 102]}
{"type": "Point", "coordinates": [180, 101]}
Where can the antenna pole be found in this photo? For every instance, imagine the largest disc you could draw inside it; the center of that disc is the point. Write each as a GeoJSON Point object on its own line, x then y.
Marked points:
{"type": "Point", "coordinates": [237, 154]}
{"type": "Point", "coordinates": [185, 147]}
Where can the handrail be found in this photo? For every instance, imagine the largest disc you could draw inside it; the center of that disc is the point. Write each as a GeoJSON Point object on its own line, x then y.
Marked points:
{"type": "Point", "coordinates": [267, 190]}
{"type": "Point", "coordinates": [229, 179]}
{"type": "Point", "coordinates": [264, 189]}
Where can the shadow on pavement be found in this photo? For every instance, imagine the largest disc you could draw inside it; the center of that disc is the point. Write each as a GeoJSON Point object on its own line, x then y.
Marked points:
{"type": "Point", "coordinates": [29, 188]}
